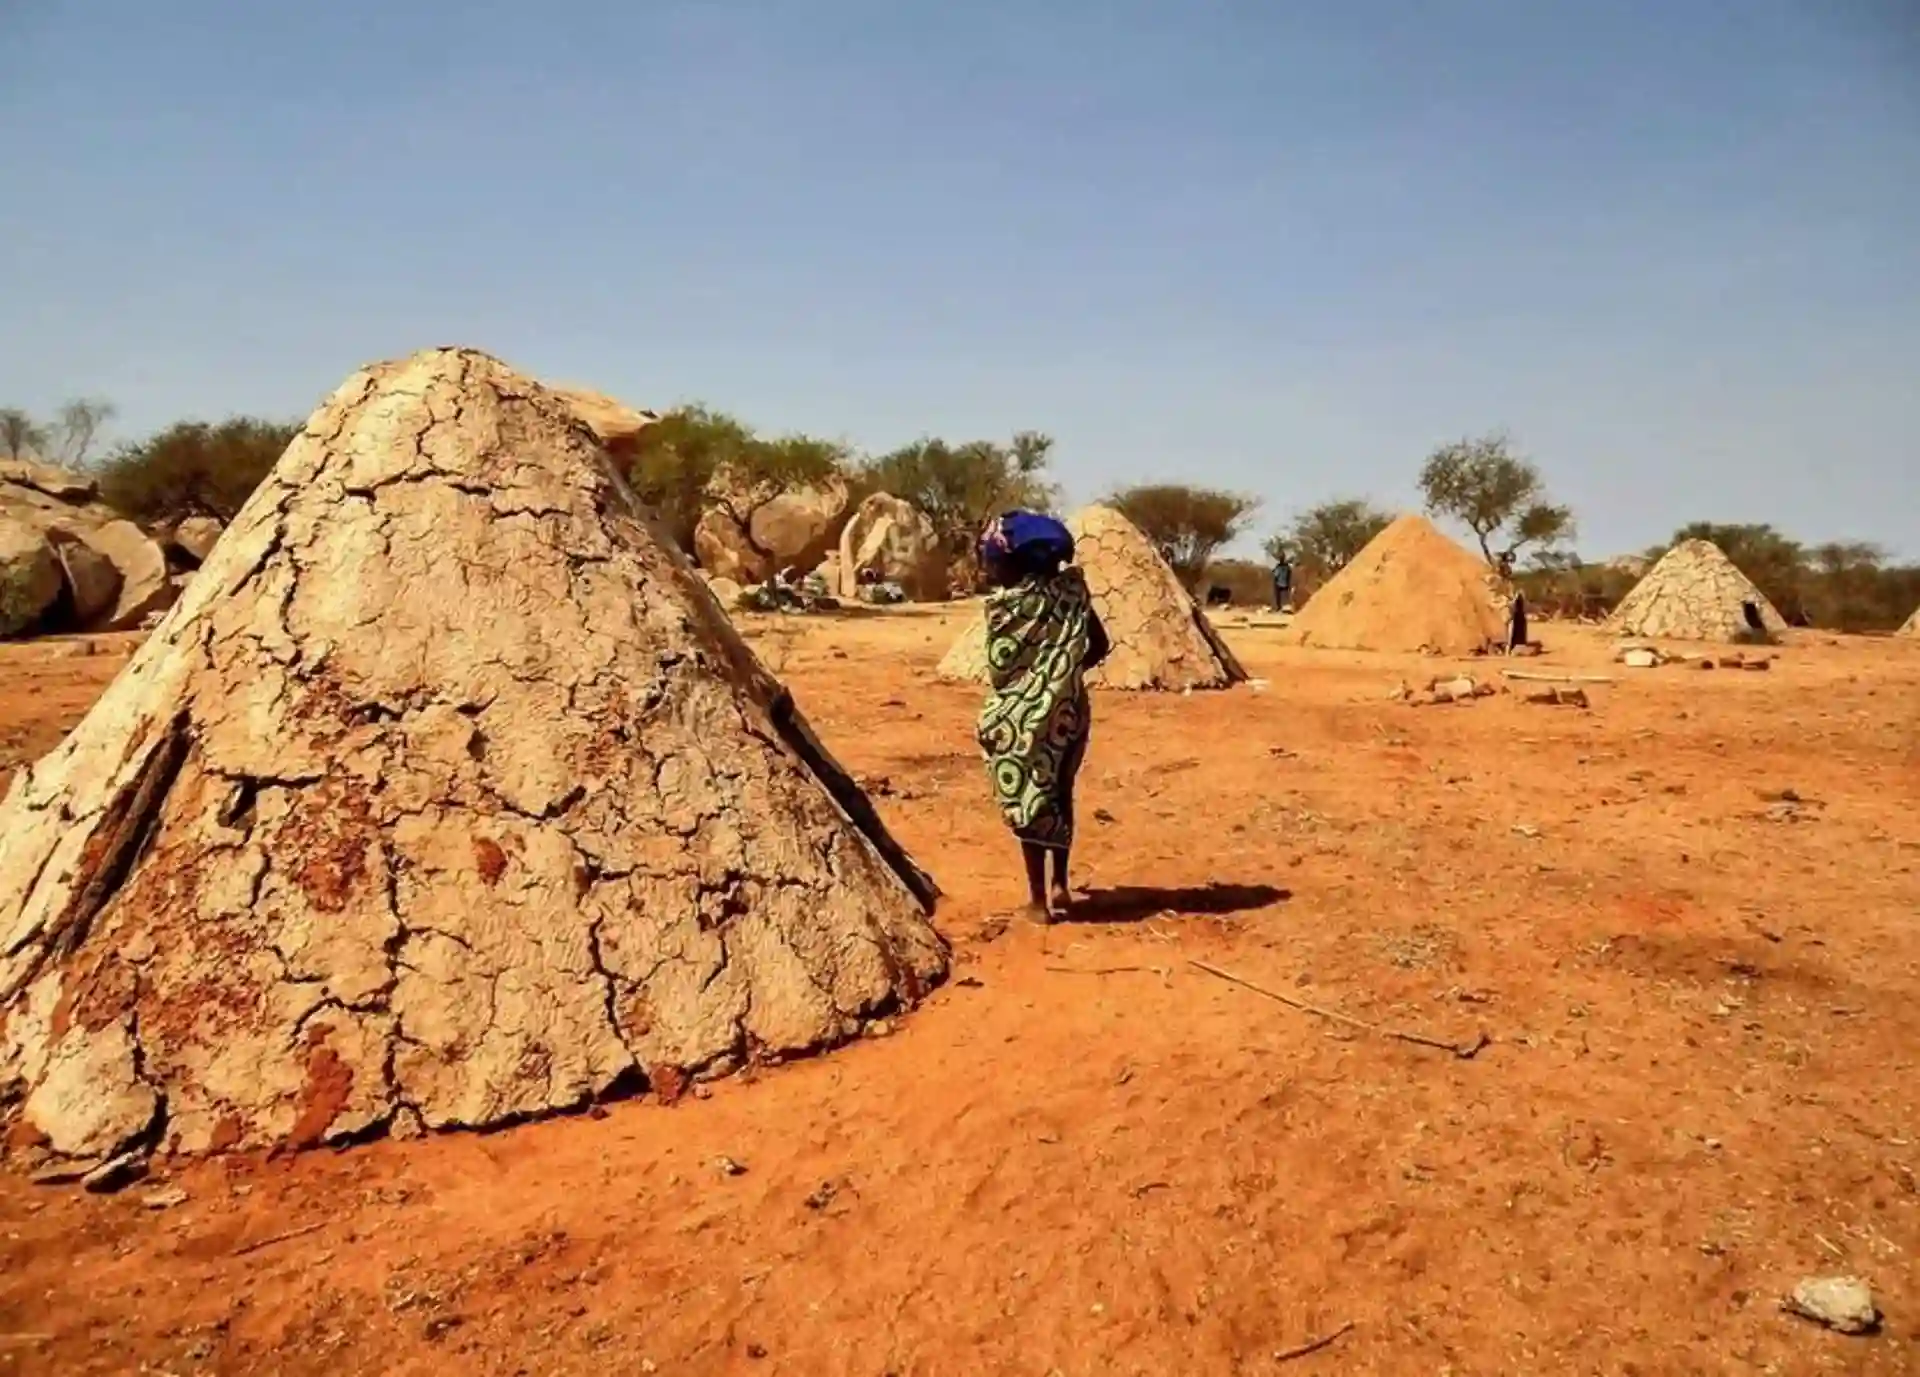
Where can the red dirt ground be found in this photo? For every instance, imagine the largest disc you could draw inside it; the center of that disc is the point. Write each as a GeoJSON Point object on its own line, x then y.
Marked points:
{"type": "Point", "coordinates": [1085, 1155]}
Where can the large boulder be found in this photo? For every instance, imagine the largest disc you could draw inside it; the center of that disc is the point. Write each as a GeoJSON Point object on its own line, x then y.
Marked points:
{"type": "Point", "coordinates": [145, 587]}
{"type": "Point", "coordinates": [798, 527]}
{"type": "Point", "coordinates": [896, 540]}
{"type": "Point", "coordinates": [617, 424]}
{"type": "Point", "coordinates": [750, 534]}
{"type": "Point", "coordinates": [29, 576]}
{"type": "Point", "coordinates": [43, 509]}
{"type": "Point", "coordinates": [93, 584]}
{"type": "Point", "coordinates": [63, 485]}
{"type": "Point", "coordinates": [724, 551]}
{"type": "Point", "coordinates": [196, 536]}
{"type": "Point", "coordinates": [447, 804]}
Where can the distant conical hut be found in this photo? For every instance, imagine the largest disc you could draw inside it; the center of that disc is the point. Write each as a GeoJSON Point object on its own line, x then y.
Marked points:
{"type": "Point", "coordinates": [446, 796]}
{"type": "Point", "coordinates": [1695, 593]}
{"type": "Point", "coordinates": [1161, 638]}
{"type": "Point", "coordinates": [1409, 589]}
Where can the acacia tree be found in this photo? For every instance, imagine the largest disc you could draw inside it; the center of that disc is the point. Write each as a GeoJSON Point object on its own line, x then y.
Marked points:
{"type": "Point", "coordinates": [194, 469]}
{"type": "Point", "coordinates": [962, 486]}
{"type": "Point", "coordinates": [20, 434]}
{"type": "Point", "coordinates": [1848, 586]}
{"type": "Point", "coordinates": [1187, 523]}
{"type": "Point", "coordinates": [1322, 540]}
{"type": "Point", "coordinates": [696, 458]}
{"type": "Point", "coordinates": [79, 426]}
{"type": "Point", "coordinates": [1496, 494]}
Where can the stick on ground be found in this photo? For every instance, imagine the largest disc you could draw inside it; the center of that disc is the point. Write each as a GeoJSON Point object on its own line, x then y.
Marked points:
{"type": "Point", "coordinates": [1287, 1355]}
{"type": "Point", "coordinates": [1465, 1051]}
{"type": "Point", "coordinates": [1107, 970]}
{"type": "Point", "coordinates": [272, 1239]}
{"type": "Point", "coordinates": [1533, 678]}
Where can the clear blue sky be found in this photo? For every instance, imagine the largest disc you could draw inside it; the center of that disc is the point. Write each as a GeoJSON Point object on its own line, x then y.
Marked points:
{"type": "Point", "coordinates": [1672, 245]}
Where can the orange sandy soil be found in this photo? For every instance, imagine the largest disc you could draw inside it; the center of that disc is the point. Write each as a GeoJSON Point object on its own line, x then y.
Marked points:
{"type": "Point", "coordinates": [1086, 1156]}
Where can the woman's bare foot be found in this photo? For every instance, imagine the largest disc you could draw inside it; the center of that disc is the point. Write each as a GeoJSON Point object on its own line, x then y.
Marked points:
{"type": "Point", "coordinates": [1037, 911]}
{"type": "Point", "coordinates": [1059, 902]}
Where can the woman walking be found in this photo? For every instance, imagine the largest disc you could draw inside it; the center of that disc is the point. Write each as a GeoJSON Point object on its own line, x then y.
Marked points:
{"type": "Point", "coordinates": [1043, 635]}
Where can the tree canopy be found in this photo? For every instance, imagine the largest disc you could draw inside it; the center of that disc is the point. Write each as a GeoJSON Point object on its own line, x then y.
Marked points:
{"type": "Point", "coordinates": [1322, 540]}
{"type": "Point", "coordinates": [1496, 494]}
{"type": "Point", "coordinates": [1188, 523]}
{"type": "Point", "coordinates": [78, 428]}
{"type": "Point", "coordinates": [961, 486]}
{"type": "Point", "coordinates": [193, 468]}
{"type": "Point", "coordinates": [20, 434]}
{"type": "Point", "coordinates": [677, 460]}
{"type": "Point", "coordinates": [67, 440]}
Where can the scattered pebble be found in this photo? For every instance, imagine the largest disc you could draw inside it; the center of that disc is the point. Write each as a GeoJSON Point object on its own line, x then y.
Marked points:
{"type": "Point", "coordinates": [1843, 1304]}
{"type": "Point", "coordinates": [1560, 698]}
{"type": "Point", "coordinates": [822, 1195]}
{"type": "Point", "coordinates": [728, 1167]}
{"type": "Point", "coordinates": [165, 1198]}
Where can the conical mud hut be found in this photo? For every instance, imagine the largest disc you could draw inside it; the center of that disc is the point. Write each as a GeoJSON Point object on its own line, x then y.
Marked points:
{"type": "Point", "coordinates": [1161, 638]}
{"type": "Point", "coordinates": [1695, 593]}
{"type": "Point", "coordinates": [1409, 589]}
{"type": "Point", "coordinates": [446, 796]}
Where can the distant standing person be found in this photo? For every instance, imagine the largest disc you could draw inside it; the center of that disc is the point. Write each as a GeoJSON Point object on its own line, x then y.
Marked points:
{"type": "Point", "coordinates": [1282, 581]}
{"type": "Point", "coordinates": [1043, 635]}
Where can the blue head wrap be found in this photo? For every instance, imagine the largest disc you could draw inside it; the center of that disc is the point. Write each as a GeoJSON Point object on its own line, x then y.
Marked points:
{"type": "Point", "coordinates": [1026, 537]}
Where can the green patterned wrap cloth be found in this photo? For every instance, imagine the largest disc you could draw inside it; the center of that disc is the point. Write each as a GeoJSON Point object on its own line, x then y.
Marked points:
{"type": "Point", "coordinates": [1033, 729]}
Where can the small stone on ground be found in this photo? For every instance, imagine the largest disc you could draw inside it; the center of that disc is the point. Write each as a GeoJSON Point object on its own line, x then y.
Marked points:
{"type": "Point", "coordinates": [1842, 1304]}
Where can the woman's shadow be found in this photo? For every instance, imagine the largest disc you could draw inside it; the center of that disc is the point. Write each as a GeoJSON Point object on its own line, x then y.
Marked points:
{"type": "Point", "coordinates": [1135, 903]}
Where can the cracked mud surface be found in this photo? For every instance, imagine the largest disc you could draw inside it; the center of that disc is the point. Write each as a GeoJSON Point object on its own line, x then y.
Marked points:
{"type": "Point", "coordinates": [1693, 594]}
{"type": "Point", "coordinates": [1161, 638]}
{"type": "Point", "coordinates": [445, 797]}
{"type": "Point", "coordinates": [1703, 1080]}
